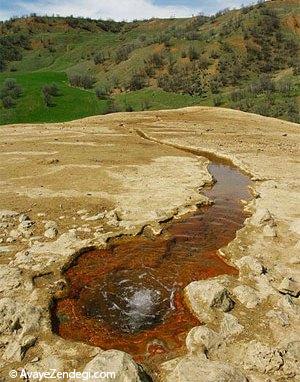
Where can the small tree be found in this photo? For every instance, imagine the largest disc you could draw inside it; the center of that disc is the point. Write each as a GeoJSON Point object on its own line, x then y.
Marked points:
{"type": "Point", "coordinates": [8, 102]}
{"type": "Point", "coordinates": [49, 91]}
{"type": "Point", "coordinates": [10, 92]}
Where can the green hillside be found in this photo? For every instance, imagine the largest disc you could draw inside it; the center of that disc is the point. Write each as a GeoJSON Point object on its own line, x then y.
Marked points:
{"type": "Point", "coordinates": [245, 59]}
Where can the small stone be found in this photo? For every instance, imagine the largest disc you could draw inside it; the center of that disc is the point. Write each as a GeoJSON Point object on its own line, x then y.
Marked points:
{"type": "Point", "coordinates": [230, 326]}
{"type": "Point", "coordinates": [51, 233]}
{"type": "Point", "coordinates": [250, 263]}
{"type": "Point", "coordinates": [23, 218]}
{"type": "Point", "coordinates": [289, 286]}
{"type": "Point", "coordinates": [6, 214]}
{"type": "Point", "coordinates": [50, 224]}
{"type": "Point", "coordinates": [202, 339]}
{"type": "Point", "coordinates": [25, 224]}
{"type": "Point", "coordinates": [15, 234]}
{"type": "Point", "coordinates": [269, 231]}
{"type": "Point", "coordinates": [96, 217]}
{"type": "Point", "coordinates": [81, 212]}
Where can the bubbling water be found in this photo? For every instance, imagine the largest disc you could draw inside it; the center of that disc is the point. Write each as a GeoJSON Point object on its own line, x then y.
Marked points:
{"type": "Point", "coordinates": [129, 295]}
{"type": "Point", "coordinates": [130, 300]}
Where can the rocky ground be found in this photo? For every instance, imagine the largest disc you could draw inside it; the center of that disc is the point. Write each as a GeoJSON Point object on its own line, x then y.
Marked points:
{"type": "Point", "coordinates": [71, 186]}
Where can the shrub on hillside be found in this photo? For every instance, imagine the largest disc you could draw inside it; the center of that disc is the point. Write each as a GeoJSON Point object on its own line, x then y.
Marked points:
{"type": "Point", "coordinates": [99, 58]}
{"type": "Point", "coordinates": [217, 100]}
{"type": "Point", "coordinates": [193, 53]}
{"type": "Point", "coordinates": [85, 80]}
{"type": "Point", "coordinates": [102, 92]}
{"type": "Point", "coordinates": [138, 81]}
{"type": "Point", "coordinates": [9, 92]}
{"type": "Point", "coordinates": [155, 60]}
{"type": "Point", "coordinates": [49, 91]}
{"type": "Point", "coordinates": [122, 54]}
{"type": "Point", "coordinates": [8, 102]}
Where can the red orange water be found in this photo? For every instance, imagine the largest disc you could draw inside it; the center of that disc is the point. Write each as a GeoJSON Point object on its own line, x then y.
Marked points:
{"type": "Point", "coordinates": [129, 296]}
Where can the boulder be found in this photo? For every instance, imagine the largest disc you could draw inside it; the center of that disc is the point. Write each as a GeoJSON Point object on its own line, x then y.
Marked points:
{"type": "Point", "coordinates": [193, 368]}
{"type": "Point", "coordinates": [206, 295]}
{"type": "Point", "coordinates": [120, 364]}
{"type": "Point", "coordinates": [202, 339]}
{"type": "Point", "coordinates": [262, 358]}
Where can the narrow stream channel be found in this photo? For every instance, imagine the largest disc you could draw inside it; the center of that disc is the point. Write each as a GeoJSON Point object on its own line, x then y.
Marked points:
{"type": "Point", "coordinates": [129, 295]}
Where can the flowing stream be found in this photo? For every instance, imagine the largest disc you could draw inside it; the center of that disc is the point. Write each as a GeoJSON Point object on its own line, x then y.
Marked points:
{"type": "Point", "coordinates": [129, 296]}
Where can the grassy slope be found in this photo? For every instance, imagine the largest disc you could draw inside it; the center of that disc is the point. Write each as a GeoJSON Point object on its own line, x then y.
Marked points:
{"type": "Point", "coordinates": [73, 103]}
{"type": "Point", "coordinates": [74, 49]}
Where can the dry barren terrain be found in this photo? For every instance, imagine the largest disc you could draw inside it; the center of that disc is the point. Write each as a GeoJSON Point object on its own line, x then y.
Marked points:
{"type": "Point", "coordinates": [70, 186]}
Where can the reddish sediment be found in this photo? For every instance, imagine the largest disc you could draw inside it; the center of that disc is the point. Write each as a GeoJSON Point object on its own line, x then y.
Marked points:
{"type": "Point", "coordinates": [185, 252]}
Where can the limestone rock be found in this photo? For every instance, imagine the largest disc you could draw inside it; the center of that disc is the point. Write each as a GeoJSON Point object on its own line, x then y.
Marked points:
{"type": "Point", "coordinates": [112, 218]}
{"type": "Point", "coordinates": [50, 224]}
{"type": "Point", "coordinates": [262, 216]}
{"type": "Point", "coordinates": [207, 294]}
{"type": "Point", "coordinates": [24, 218]}
{"type": "Point", "coordinates": [262, 358]}
{"type": "Point", "coordinates": [269, 231]}
{"type": "Point", "coordinates": [202, 339]}
{"type": "Point", "coordinates": [17, 347]}
{"type": "Point", "coordinates": [4, 249]}
{"type": "Point", "coordinates": [96, 217]}
{"type": "Point", "coordinates": [17, 317]}
{"type": "Point", "coordinates": [250, 264]}
{"type": "Point", "coordinates": [15, 234]}
{"type": "Point", "coordinates": [42, 255]}
{"type": "Point", "coordinates": [291, 357]}
{"type": "Point", "coordinates": [25, 224]}
{"type": "Point", "coordinates": [7, 214]}
{"type": "Point", "coordinates": [114, 361]}
{"type": "Point", "coordinates": [247, 296]}
{"type": "Point", "coordinates": [289, 286]}
{"type": "Point", "coordinates": [193, 368]}
{"type": "Point", "coordinates": [230, 326]}
{"type": "Point", "coordinates": [10, 278]}
{"type": "Point", "coordinates": [51, 233]}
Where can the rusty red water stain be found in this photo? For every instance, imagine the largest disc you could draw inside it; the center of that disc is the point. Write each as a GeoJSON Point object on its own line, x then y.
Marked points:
{"type": "Point", "coordinates": [186, 252]}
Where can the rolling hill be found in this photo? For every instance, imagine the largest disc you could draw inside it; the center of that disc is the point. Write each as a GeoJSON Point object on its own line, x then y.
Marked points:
{"type": "Point", "coordinates": [246, 59]}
